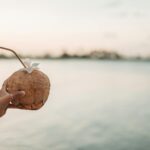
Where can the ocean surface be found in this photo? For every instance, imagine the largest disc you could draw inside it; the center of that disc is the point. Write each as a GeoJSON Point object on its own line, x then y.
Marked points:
{"type": "Point", "coordinates": [93, 105]}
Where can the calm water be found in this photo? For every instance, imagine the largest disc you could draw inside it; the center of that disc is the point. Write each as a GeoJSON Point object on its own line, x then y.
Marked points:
{"type": "Point", "coordinates": [94, 105]}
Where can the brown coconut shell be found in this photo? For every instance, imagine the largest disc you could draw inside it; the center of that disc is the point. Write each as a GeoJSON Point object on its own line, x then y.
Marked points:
{"type": "Point", "coordinates": [36, 86]}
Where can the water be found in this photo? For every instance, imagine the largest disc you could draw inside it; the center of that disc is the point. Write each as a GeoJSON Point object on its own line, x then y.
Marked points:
{"type": "Point", "coordinates": [93, 105]}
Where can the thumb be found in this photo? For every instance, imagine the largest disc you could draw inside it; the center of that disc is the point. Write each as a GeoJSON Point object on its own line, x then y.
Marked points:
{"type": "Point", "coordinates": [18, 93]}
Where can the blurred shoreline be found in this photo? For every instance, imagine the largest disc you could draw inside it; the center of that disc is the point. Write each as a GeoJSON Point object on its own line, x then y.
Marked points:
{"type": "Point", "coordinates": [98, 55]}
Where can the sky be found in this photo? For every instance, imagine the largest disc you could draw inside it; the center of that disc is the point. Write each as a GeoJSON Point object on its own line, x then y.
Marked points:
{"type": "Point", "coordinates": [50, 26]}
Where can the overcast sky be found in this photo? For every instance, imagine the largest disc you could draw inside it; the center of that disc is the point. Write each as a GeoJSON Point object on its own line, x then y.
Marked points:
{"type": "Point", "coordinates": [38, 26]}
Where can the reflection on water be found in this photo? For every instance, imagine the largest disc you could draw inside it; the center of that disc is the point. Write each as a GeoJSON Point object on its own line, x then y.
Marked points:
{"type": "Point", "coordinates": [93, 105]}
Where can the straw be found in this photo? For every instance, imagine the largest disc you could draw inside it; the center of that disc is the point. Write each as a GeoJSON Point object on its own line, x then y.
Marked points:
{"type": "Point", "coordinates": [8, 49]}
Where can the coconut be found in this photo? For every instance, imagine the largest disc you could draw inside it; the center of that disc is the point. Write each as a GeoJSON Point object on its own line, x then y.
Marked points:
{"type": "Point", "coordinates": [36, 85]}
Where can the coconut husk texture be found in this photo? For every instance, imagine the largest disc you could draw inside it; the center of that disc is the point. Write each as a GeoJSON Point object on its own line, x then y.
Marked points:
{"type": "Point", "coordinates": [36, 86]}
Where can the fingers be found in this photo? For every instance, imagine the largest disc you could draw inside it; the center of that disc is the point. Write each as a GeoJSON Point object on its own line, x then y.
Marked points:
{"type": "Point", "coordinates": [18, 93]}
{"type": "Point", "coordinates": [15, 107]}
{"type": "Point", "coordinates": [26, 107]}
{"type": "Point", "coordinates": [11, 106]}
{"type": "Point", "coordinates": [12, 97]}
{"type": "Point", "coordinates": [16, 96]}
{"type": "Point", "coordinates": [19, 106]}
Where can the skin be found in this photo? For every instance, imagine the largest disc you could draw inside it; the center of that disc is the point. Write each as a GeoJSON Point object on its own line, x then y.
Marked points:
{"type": "Point", "coordinates": [6, 98]}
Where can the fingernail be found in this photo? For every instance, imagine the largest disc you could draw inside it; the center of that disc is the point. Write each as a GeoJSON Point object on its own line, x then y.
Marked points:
{"type": "Point", "coordinates": [23, 92]}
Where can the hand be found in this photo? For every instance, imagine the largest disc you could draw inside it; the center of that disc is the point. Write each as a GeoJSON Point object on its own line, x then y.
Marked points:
{"type": "Point", "coordinates": [6, 98]}
{"type": "Point", "coordinates": [18, 94]}
{"type": "Point", "coordinates": [27, 107]}
{"type": "Point", "coordinates": [4, 93]}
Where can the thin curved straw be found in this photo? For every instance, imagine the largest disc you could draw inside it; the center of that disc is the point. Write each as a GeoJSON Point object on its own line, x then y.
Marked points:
{"type": "Point", "coordinates": [8, 49]}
